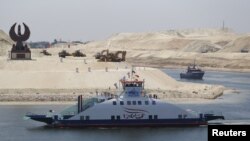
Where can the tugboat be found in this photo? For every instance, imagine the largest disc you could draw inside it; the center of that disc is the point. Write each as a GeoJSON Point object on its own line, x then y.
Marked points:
{"type": "Point", "coordinates": [131, 108]}
{"type": "Point", "coordinates": [193, 72]}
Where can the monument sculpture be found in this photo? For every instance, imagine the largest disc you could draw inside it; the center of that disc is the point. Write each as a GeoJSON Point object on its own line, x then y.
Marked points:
{"type": "Point", "coordinates": [20, 51]}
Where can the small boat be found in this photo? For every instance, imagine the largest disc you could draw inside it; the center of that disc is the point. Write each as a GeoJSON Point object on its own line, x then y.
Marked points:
{"type": "Point", "coordinates": [133, 107]}
{"type": "Point", "coordinates": [193, 72]}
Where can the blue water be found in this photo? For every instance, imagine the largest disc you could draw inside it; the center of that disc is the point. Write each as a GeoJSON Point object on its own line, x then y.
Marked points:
{"type": "Point", "coordinates": [240, 81]}
{"type": "Point", "coordinates": [235, 107]}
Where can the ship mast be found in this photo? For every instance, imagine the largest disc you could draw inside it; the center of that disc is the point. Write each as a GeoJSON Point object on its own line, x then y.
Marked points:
{"type": "Point", "coordinates": [132, 72]}
{"type": "Point", "coordinates": [194, 63]}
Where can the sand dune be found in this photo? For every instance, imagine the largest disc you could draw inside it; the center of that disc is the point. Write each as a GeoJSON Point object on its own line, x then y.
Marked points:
{"type": "Point", "coordinates": [239, 44]}
{"type": "Point", "coordinates": [5, 43]}
{"type": "Point", "coordinates": [212, 48]}
{"type": "Point", "coordinates": [201, 47]}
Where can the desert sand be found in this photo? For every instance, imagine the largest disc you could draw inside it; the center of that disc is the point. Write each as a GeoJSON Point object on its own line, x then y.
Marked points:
{"type": "Point", "coordinates": [49, 79]}
{"type": "Point", "coordinates": [46, 78]}
{"type": "Point", "coordinates": [213, 49]}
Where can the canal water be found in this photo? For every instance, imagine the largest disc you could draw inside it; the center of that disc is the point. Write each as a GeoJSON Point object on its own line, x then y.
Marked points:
{"type": "Point", "coordinates": [235, 107]}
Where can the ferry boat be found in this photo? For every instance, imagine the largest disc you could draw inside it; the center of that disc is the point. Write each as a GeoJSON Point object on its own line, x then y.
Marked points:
{"type": "Point", "coordinates": [131, 108]}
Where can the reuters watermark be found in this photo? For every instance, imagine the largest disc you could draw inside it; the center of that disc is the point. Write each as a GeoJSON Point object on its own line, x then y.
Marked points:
{"type": "Point", "coordinates": [219, 132]}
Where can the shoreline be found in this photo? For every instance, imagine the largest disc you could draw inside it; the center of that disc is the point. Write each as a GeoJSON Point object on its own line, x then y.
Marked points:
{"type": "Point", "coordinates": [204, 68]}
{"type": "Point", "coordinates": [54, 95]}
{"type": "Point", "coordinates": [165, 99]}
{"type": "Point", "coordinates": [74, 101]}
{"type": "Point", "coordinates": [171, 100]}
{"type": "Point", "coordinates": [5, 103]}
{"type": "Point", "coordinates": [210, 69]}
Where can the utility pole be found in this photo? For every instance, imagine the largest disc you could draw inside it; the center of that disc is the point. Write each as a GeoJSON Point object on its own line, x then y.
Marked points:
{"type": "Point", "coordinates": [223, 25]}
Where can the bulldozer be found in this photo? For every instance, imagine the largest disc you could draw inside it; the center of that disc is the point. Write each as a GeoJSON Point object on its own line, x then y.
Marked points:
{"type": "Point", "coordinates": [63, 54]}
{"type": "Point", "coordinates": [45, 52]}
{"type": "Point", "coordinates": [78, 53]}
{"type": "Point", "coordinates": [111, 57]}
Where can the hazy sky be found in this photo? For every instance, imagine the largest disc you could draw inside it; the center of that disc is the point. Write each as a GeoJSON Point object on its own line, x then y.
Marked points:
{"type": "Point", "coordinates": [98, 19]}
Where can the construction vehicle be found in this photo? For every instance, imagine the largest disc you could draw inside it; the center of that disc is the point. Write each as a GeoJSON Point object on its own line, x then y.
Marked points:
{"type": "Point", "coordinates": [100, 55]}
{"type": "Point", "coordinates": [45, 52]}
{"type": "Point", "coordinates": [78, 53]}
{"type": "Point", "coordinates": [63, 54]}
{"type": "Point", "coordinates": [111, 57]}
{"type": "Point", "coordinates": [123, 57]}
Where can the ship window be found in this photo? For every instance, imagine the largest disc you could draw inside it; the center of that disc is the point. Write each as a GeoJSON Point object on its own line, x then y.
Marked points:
{"type": "Point", "coordinates": [118, 117]}
{"type": "Point", "coordinates": [121, 103]}
{"type": "Point", "coordinates": [114, 102]}
{"type": "Point", "coordinates": [81, 117]}
{"type": "Point", "coordinates": [155, 116]}
{"type": "Point", "coordinates": [129, 102]}
{"type": "Point", "coordinates": [150, 117]}
{"type": "Point", "coordinates": [146, 102]}
{"type": "Point", "coordinates": [134, 102]}
{"type": "Point", "coordinates": [139, 102]}
{"type": "Point", "coordinates": [153, 102]}
{"type": "Point", "coordinates": [87, 117]}
{"type": "Point", "coordinates": [112, 117]}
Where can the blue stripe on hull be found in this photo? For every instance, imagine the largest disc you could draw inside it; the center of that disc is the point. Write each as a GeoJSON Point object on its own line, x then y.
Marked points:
{"type": "Point", "coordinates": [130, 123]}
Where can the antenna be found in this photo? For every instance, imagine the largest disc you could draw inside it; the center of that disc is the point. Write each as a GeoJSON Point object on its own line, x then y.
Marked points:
{"type": "Point", "coordinates": [132, 71]}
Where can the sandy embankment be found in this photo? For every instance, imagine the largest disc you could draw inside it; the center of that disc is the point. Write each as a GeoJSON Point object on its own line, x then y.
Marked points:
{"type": "Point", "coordinates": [213, 49]}
{"type": "Point", "coordinates": [237, 62]}
{"type": "Point", "coordinates": [48, 79]}
{"type": "Point", "coordinates": [45, 78]}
